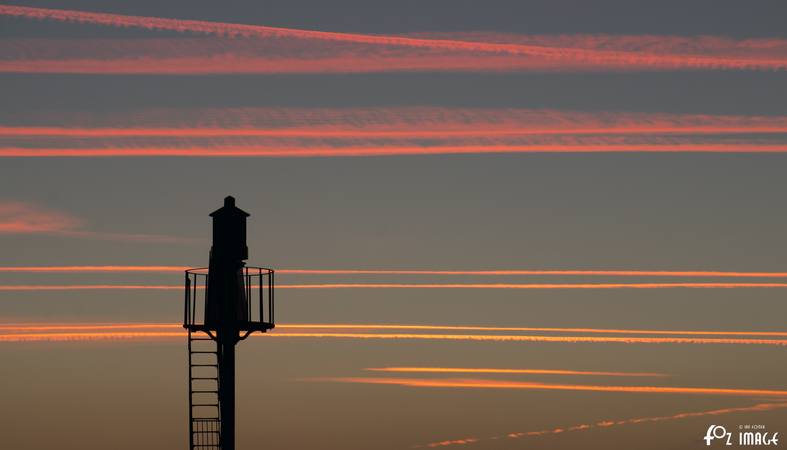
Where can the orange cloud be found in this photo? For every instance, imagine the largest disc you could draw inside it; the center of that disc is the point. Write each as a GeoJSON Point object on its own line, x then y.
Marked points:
{"type": "Point", "coordinates": [464, 441]}
{"type": "Point", "coordinates": [98, 332]}
{"type": "Point", "coordinates": [85, 287]}
{"type": "Point", "coordinates": [234, 63]}
{"type": "Point", "coordinates": [299, 132]}
{"type": "Point", "coordinates": [532, 329]}
{"type": "Point", "coordinates": [275, 151]}
{"type": "Point", "coordinates": [503, 384]}
{"type": "Point", "coordinates": [387, 327]}
{"type": "Point", "coordinates": [513, 272]}
{"type": "Point", "coordinates": [68, 337]}
{"type": "Point", "coordinates": [91, 269]}
{"type": "Point", "coordinates": [534, 338]}
{"type": "Point", "coordinates": [532, 286]}
{"type": "Point", "coordinates": [358, 134]}
{"type": "Point", "coordinates": [389, 122]}
{"type": "Point", "coordinates": [376, 327]}
{"type": "Point", "coordinates": [29, 327]}
{"type": "Point", "coordinates": [512, 371]}
{"type": "Point", "coordinates": [81, 287]}
{"type": "Point", "coordinates": [506, 272]}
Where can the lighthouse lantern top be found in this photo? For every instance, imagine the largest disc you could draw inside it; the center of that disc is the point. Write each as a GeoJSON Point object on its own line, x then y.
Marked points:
{"type": "Point", "coordinates": [229, 231]}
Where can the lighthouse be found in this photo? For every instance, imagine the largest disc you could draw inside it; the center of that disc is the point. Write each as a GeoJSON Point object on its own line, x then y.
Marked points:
{"type": "Point", "coordinates": [224, 304]}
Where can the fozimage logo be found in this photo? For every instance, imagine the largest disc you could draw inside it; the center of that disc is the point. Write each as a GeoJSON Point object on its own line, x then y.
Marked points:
{"type": "Point", "coordinates": [747, 435]}
{"type": "Point", "coordinates": [718, 432]}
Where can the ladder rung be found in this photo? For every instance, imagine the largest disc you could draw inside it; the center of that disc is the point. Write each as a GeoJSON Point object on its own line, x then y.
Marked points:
{"type": "Point", "coordinates": [204, 365]}
{"type": "Point", "coordinates": [193, 352]}
{"type": "Point", "coordinates": [203, 391]}
{"type": "Point", "coordinates": [194, 405]}
{"type": "Point", "coordinates": [204, 378]}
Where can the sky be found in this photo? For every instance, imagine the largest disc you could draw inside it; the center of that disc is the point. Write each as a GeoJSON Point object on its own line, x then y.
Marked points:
{"type": "Point", "coordinates": [494, 225]}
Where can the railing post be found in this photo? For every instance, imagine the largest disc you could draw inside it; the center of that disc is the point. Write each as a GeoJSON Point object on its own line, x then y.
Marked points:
{"type": "Point", "coordinates": [259, 292]}
{"type": "Point", "coordinates": [270, 300]}
{"type": "Point", "coordinates": [204, 297]}
{"type": "Point", "coordinates": [187, 306]}
{"type": "Point", "coordinates": [248, 294]}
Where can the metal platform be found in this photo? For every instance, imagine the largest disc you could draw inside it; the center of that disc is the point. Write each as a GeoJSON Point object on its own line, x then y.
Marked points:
{"type": "Point", "coordinates": [258, 283]}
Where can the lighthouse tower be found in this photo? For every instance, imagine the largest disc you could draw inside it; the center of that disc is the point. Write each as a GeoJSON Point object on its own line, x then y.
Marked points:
{"type": "Point", "coordinates": [224, 304]}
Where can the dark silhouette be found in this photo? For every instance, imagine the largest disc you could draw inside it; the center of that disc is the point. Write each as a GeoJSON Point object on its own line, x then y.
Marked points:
{"type": "Point", "coordinates": [226, 303]}
{"type": "Point", "coordinates": [233, 305]}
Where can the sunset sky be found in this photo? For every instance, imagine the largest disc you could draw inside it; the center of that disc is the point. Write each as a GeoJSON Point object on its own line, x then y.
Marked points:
{"type": "Point", "coordinates": [495, 225]}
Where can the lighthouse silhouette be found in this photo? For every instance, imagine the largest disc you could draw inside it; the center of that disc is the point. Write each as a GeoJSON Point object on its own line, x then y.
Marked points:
{"type": "Point", "coordinates": [224, 304]}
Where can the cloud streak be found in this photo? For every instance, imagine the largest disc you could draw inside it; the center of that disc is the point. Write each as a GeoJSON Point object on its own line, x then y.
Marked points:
{"type": "Point", "coordinates": [390, 121]}
{"type": "Point", "coordinates": [320, 132]}
{"type": "Point", "coordinates": [531, 329]}
{"type": "Point", "coordinates": [271, 50]}
{"type": "Point", "coordinates": [92, 269]}
{"type": "Point", "coordinates": [359, 151]}
{"type": "Point", "coordinates": [388, 327]}
{"type": "Point", "coordinates": [511, 371]}
{"type": "Point", "coordinates": [535, 338]}
{"type": "Point", "coordinates": [527, 385]}
{"type": "Point", "coordinates": [539, 286]}
{"type": "Point", "coordinates": [19, 218]}
{"type": "Point", "coordinates": [503, 272]}
{"type": "Point", "coordinates": [136, 335]}
{"type": "Point", "coordinates": [25, 218]}
{"type": "Point", "coordinates": [90, 332]}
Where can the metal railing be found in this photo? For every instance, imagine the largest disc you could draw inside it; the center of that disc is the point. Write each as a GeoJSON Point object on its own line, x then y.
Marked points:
{"type": "Point", "coordinates": [258, 284]}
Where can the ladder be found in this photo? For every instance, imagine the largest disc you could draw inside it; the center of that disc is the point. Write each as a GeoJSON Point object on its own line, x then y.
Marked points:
{"type": "Point", "coordinates": [204, 416]}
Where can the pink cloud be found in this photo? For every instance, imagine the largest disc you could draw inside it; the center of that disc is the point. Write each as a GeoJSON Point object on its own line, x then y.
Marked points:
{"type": "Point", "coordinates": [28, 218]}
{"type": "Point", "coordinates": [351, 132]}
{"type": "Point", "coordinates": [288, 50]}
{"type": "Point", "coordinates": [25, 218]}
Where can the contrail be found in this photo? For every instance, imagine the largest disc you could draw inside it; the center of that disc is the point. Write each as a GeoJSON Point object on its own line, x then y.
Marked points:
{"type": "Point", "coordinates": [536, 338]}
{"type": "Point", "coordinates": [502, 384]}
{"type": "Point", "coordinates": [259, 31]}
{"type": "Point", "coordinates": [610, 423]}
{"type": "Point", "coordinates": [233, 63]}
{"type": "Point", "coordinates": [504, 272]}
{"type": "Point", "coordinates": [92, 269]}
{"type": "Point", "coordinates": [113, 326]}
{"type": "Point", "coordinates": [69, 336]}
{"type": "Point", "coordinates": [386, 327]}
{"type": "Point", "coordinates": [84, 287]}
{"type": "Point", "coordinates": [404, 150]}
{"type": "Point", "coordinates": [354, 132]}
{"type": "Point", "coordinates": [531, 329]}
{"type": "Point", "coordinates": [387, 121]}
{"type": "Point", "coordinates": [511, 371]}
{"type": "Point", "coordinates": [469, 131]}
{"type": "Point", "coordinates": [615, 273]}
{"type": "Point", "coordinates": [626, 51]}
{"type": "Point", "coordinates": [534, 286]}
